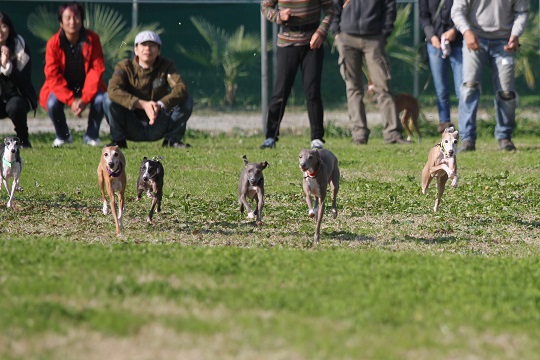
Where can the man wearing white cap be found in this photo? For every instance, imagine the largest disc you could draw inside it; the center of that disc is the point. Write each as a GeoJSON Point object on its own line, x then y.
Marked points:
{"type": "Point", "coordinates": [147, 99]}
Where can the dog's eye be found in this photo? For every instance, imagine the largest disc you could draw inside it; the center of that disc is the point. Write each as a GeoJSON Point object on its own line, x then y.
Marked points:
{"type": "Point", "coordinates": [115, 154]}
{"type": "Point", "coordinates": [310, 157]}
{"type": "Point", "coordinates": [106, 154]}
{"type": "Point", "coordinates": [455, 141]}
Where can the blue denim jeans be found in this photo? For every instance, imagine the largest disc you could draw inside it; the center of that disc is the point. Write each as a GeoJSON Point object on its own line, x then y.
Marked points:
{"type": "Point", "coordinates": [439, 70]}
{"type": "Point", "coordinates": [491, 53]}
{"type": "Point", "coordinates": [133, 125]}
{"type": "Point", "coordinates": [58, 116]}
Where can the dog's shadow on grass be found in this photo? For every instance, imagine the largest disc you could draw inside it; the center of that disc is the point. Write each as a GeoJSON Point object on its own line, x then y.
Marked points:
{"type": "Point", "coordinates": [350, 237]}
{"type": "Point", "coordinates": [433, 240]}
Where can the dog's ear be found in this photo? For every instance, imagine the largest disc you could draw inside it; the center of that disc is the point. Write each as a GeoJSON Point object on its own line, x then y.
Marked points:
{"type": "Point", "coordinates": [145, 158]}
{"type": "Point", "coordinates": [456, 134]}
{"type": "Point", "coordinates": [264, 164]}
{"type": "Point", "coordinates": [245, 160]}
{"type": "Point", "coordinates": [449, 129]}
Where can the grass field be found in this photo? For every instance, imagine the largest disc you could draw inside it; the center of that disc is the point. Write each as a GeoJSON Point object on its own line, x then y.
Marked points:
{"type": "Point", "coordinates": [389, 280]}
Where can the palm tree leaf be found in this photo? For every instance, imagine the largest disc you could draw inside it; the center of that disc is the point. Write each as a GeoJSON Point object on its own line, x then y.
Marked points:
{"type": "Point", "coordinates": [42, 23]}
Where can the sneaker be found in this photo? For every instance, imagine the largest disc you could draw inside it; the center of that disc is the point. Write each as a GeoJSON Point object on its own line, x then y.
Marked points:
{"type": "Point", "coordinates": [122, 144]}
{"type": "Point", "coordinates": [398, 141]}
{"type": "Point", "coordinates": [92, 142]}
{"type": "Point", "coordinates": [175, 144]}
{"type": "Point", "coordinates": [506, 144]}
{"type": "Point", "coordinates": [317, 144]}
{"type": "Point", "coordinates": [59, 142]}
{"type": "Point", "coordinates": [468, 145]}
{"type": "Point", "coordinates": [443, 126]}
{"type": "Point", "coordinates": [269, 143]}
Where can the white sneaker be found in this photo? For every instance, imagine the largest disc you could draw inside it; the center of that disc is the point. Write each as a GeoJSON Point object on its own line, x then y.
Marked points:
{"type": "Point", "coordinates": [92, 142]}
{"type": "Point", "coordinates": [317, 144]}
{"type": "Point", "coordinates": [59, 142]}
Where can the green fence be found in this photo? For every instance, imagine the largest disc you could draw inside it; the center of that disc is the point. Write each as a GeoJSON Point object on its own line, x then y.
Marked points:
{"type": "Point", "coordinates": [203, 83]}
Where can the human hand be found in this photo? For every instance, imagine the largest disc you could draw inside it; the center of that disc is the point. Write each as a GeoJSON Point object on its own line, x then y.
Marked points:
{"type": "Point", "coordinates": [450, 35]}
{"type": "Point", "coordinates": [471, 40]}
{"type": "Point", "coordinates": [151, 108]}
{"type": "Point", "coordinates": [4, 58]}
{"type": "Point", "coordinates": [285, 14]}
{"type": "Point", "coordinates": [75, 107]}
{"type": "Point", "coordinates": [513, 44]}
{"type": "Point", "coordinates": [316, 41]}
{"type": "Point", "coordinates": [436, 42]}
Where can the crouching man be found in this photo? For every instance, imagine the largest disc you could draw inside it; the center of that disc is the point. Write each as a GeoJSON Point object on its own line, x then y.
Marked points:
{"type": "Point", "coordinates": [147, 99]}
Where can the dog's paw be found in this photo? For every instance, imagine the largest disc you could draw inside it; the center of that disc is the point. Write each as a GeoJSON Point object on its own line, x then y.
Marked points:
{"type": "Point", "coordinates": [105, 210]}
{"type": "Point", "coordinates": [251, 215]}
{"type": "Point", "coordinates": [259, 223]}
{"type": "Point", "coordinates": [334, 213]}
{"type": "Point", "coordinates": [311, 213]}
{"type": "Point", "coordinates": [455, 182]}
{"type": "Point", "coordinates": [19, 188]}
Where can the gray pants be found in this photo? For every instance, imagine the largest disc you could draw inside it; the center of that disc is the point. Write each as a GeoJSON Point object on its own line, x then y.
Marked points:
{"type": "Point", "coordinates": [352, 51]}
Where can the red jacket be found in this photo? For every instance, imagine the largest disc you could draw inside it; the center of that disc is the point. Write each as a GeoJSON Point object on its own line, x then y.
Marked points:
{"type": "Point", "coordinates": [55, 63]}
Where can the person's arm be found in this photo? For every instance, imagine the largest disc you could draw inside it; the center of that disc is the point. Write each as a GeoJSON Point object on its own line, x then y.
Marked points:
{"type": "Point", "coordinates": [269, 8]}
{"type": "Point", "coordinates": [179, 92]}
{"type": "Point", "coordinates": [335, 27]}
{"type": "Point", "coordinates": [118, 89]}
{"type": "Point", "coordinates": [320, 34]}
{"type": "Point", "coordinates": [95, 72]}
{"type": "Point", "coordinates": [425, 19]}
{"type": "Point", "coordinates": [53, 74]}
{"type": "Point", "coordinates": [390, 14]}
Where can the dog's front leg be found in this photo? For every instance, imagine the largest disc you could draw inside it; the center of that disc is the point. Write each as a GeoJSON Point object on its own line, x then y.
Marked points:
{"type": "Point", "coordinates": [245, 204]}
{"type": "Point", "coordinates": [319, 221]}
{"type": "Point", "coordinates": [260, 205]}
{"type": "Point", "coordinates": [307, 191]}
{"type": "Point", "coordinates": [121, 210]}
{"type": "Point", "coordinates": [13, 188]}
{"type": "Point", "coordinates": [101, 183]}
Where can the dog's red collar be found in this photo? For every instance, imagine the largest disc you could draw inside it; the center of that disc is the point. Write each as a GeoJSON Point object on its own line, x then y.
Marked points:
{"type": "Point", "coordinates": [312, 175]}
{"type": "Point", "coordinates": [115, 173]}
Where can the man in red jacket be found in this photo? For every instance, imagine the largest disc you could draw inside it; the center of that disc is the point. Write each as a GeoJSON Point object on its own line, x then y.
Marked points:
{"type": "Point", "coordinates": [74, 68]}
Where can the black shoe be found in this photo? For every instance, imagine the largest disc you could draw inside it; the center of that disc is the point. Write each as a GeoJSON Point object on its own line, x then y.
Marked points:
{"type": "Point", "coordinates": [175, 144]}
{"type": "Point", "coordinates": [122, 144]}
{"type": "Point", "coordinates": [468, 145]}
{"type": "Point", "coordinates": [506, 144]}
{"type": "Point", "coordinates": [25, 144]}
{"type": "Point", "coordinates": [360, 141]}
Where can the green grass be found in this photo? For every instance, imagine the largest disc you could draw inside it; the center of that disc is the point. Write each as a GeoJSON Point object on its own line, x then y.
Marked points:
{"type": "Point", "coordinates": [389, 280]}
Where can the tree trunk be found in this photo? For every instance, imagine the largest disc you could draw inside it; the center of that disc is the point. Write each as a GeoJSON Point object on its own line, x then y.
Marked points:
{"type": "Point", "coordinates": [230, 93]}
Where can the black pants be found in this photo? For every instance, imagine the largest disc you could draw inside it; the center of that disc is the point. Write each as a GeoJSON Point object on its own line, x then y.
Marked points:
{"type": "Point", "coordinates": [16, 108]}
{"type": "Point", "coordinates": [289, 58]}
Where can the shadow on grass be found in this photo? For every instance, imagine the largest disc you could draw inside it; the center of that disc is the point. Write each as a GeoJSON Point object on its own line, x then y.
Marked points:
{"type": "Point", "coordinates": [348, 236]}
{"type": "Point", "coordinates": [438, 240]}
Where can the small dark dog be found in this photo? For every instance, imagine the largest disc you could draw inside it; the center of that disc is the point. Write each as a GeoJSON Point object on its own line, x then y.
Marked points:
{"type": "Point", "coordinates": [151, 180]}
{"type": "Point", "coordinates": [11, 165]}
{"type": "Point", "coordinates": [252, 186]}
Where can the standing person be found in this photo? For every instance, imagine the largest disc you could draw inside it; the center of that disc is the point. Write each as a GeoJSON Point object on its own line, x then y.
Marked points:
{"type": "Point", "coordinates": [361, 29]}
{"type": "Point", "coordinates": [17, 94]}
{"type": "Point", "coordinates": [147, 99]}
{"type": "Point", "coordinates": [491, 31]}
{"type": "Point", "coordinates": [300, 44]}
{"type": "Point", "coordinates": [444, 45]}
{"type": "Point", "coordinates": [74, 68]}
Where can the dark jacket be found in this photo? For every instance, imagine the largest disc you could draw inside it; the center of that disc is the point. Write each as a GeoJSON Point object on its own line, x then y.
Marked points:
{"type": "Point", "coordinates": [364, 17]}
{"type": "Point", "coordinates": [130, 82]}
{"type": "Point", "coordinates": [443, 22]}
{"type": "Point", "coordinates": [21, 74]}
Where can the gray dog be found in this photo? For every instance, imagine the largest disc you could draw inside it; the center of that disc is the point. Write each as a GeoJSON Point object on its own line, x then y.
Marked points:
{"type": "Point", "coordinates": [251, 186]}
{"type": "Point", "coordinates": [320, 168]}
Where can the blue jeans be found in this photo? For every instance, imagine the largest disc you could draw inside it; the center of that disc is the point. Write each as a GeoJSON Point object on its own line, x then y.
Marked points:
{"type": "Point", "coordinates": [134, 125]}
{"type": "Point", "coordinates": [439, 70]}
{"type": "Point", "coordinates": [58, 116]}
{"type": "Point", "coordinates": [492, 53]}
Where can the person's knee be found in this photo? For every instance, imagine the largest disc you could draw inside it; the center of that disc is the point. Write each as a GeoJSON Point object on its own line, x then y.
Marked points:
{"type": "Point", "coordinates": [54, 104]}
{"type": "Point", "coordinates": [470, 87]}
{"type": "Point", "coordinates": [183, 111]}
{"type": "Point", "coordinates": [506, 95]}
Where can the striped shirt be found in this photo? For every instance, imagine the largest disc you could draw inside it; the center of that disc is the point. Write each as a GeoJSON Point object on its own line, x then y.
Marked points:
{"type": "Point", "coordinates": [304, 21]}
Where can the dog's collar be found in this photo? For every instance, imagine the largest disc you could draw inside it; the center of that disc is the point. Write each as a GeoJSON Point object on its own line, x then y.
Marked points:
{"type": "Point", "coordinates": [258, 182]}
{"type": "Point", "coordinates": [115, 173]}
{"type": "Point", "coordinates": [443, 150]}
{"type": "Point", "coordinates": [7, 162]}
{"type": "Point", "coordinates": [312, 175]}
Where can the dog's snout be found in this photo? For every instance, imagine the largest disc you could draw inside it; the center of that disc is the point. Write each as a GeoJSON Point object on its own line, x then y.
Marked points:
{"type": "Point", "coordinates": [450, 152]}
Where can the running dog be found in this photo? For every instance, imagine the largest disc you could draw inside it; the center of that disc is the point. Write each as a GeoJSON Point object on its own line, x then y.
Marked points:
{"type": "Point", "coordinates": [251, 186]}
{"type": "Point", "coordinates": [442, 164]}
{"type": "Point", "coordinates": [151, 180]}
{"type": "Point", "coordinates": [111, 173]}
{"type": "Point", "coordinates": [320, 168]}
{"type": "Point", "coordinates": [11, 165]}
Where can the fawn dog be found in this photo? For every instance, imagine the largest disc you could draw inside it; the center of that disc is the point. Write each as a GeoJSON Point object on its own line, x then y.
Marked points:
{"type": "Point", "coordinates": [442, 164]}
{"type": "Point", "coordinates": [251, 186]}
{"type": "Point", "coordinates": [407, 107]}
{"type": "Point", "coordinates": [320, 168]}
{"type": "Point", "coordinates": [150, 180]}
{"type": "Point", "coordinates": [11, 165]}
{"type": "Point", "coordinates": [111, 173]}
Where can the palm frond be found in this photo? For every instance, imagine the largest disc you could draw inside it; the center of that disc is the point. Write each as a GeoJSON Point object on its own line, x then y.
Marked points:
{"type": "Point", "coordinates": [42, 23]}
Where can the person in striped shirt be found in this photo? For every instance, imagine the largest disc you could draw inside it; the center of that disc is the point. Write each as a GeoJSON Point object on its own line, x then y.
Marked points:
{"type": "Point", "coordinates": [304, 25]}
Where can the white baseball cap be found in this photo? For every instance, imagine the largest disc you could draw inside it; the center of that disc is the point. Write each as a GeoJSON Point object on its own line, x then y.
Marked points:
{"type": "Point", "coordinates": [147, 35]}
